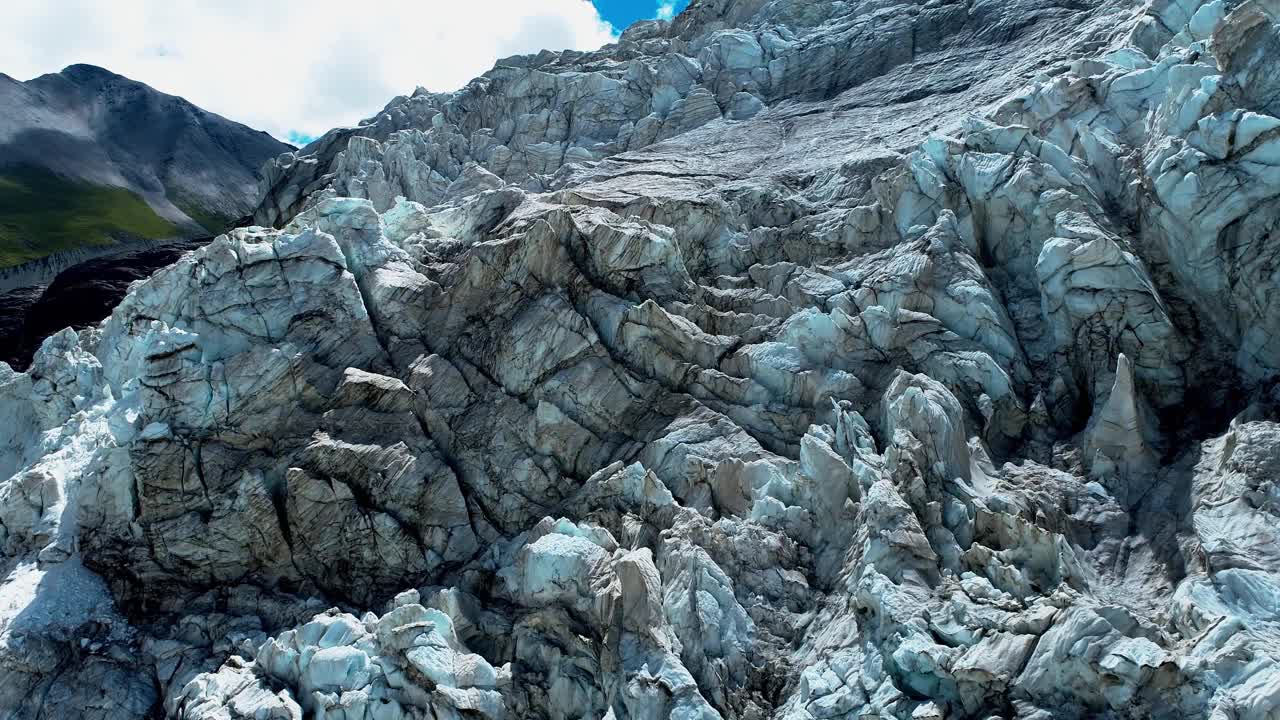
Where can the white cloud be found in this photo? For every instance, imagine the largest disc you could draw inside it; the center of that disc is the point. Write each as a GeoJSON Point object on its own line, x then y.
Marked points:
{"type": "Point", "coordinates": [290, 65]}
{"type": "Point", "coordinates": [666, 9]}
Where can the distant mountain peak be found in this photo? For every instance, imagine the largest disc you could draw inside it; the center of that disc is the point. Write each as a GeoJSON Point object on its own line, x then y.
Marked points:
{"type": "Point", "coordinates": [193, 172]}
{"type": "Point", "coordinates": [86, 70]}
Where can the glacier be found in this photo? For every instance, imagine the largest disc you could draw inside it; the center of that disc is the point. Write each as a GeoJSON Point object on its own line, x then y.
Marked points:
{"type": "Point", "coordinates": [791, 359]}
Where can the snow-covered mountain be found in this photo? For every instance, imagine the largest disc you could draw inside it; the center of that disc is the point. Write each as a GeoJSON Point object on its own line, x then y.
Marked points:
{"type": "Point", "coordinates": [794, 359]}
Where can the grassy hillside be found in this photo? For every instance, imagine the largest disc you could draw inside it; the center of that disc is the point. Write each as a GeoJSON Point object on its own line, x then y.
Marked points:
{"type": "Point", "coordinates": [211, 221]}
{"type": "Point", "coordinates": [42, 213]}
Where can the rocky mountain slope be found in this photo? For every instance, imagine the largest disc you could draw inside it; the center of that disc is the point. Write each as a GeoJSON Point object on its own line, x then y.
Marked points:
{"type": "Point", "coordinates": [89, 157]}
{"type": "Point", "coordinates": [796, 359]}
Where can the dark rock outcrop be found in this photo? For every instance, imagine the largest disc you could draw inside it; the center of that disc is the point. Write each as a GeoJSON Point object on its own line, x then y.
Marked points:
{"type": "Point", "coordinates": [78, 297]}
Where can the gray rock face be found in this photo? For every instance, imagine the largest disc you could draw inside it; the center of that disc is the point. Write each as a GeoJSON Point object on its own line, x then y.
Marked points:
{"type": "Point", "coordinates": [790, 360]}
{"type": "Point", "coordinates": [194, 168]}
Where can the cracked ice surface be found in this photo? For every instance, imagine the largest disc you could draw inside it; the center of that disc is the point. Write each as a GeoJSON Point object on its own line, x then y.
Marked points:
{"type": "Point", "coordinates": [790, 360]}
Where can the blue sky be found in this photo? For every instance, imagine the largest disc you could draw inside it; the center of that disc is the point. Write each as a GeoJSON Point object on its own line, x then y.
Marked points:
{"type": "Point", "coordinates": [621, 13]}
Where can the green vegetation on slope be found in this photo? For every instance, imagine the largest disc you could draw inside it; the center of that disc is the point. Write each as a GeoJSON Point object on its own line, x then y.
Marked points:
{"type": "Point", "coordinates": [215, 223]}
{"type": "Point", "coordinates": [42, 213]}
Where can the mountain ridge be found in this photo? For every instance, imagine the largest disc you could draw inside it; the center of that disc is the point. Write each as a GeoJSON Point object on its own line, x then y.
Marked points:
{"type": "Point", "coordinates": [184, 167]}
